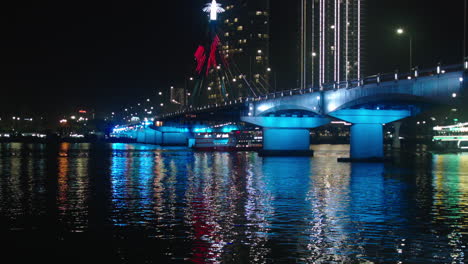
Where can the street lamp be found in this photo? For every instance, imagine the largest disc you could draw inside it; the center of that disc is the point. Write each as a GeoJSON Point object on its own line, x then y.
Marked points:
{"type": "Point", "coordinates": [314, 54]}
{"type": "Point", "coordinates": [401, 31]}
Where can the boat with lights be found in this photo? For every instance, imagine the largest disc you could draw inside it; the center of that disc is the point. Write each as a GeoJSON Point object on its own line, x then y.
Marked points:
{"type": "Point", "coordinates": [237, 140]}
{"type": "Point", "coordinates": [451, 138]}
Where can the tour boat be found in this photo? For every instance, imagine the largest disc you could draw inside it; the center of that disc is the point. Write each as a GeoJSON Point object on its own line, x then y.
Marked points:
{"type": "Point", "coordinates": [232, 141]}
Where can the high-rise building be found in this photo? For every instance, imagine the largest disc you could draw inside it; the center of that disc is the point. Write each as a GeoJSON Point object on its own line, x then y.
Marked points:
{"type": "Point", "coordinates": [336, 35]}
{"type": "Point", "coordinates": [245, 39]}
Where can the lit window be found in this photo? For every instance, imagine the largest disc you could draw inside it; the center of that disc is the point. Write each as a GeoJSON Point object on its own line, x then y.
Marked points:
{"type": "Point", "coordinates": [240, 28]}
{"type": "Point", "coordinates": [236, 20]}
{"type": "Point", "coordinates": [226, 34]}
{"type": "Point", "coordinates": [259, 13]}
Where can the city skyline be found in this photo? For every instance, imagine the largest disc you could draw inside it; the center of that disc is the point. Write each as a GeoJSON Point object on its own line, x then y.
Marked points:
{"type": "Point", "coordinates": [99, 60]}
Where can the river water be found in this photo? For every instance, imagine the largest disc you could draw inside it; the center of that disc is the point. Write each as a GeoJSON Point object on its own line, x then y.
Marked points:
{"type": "Point", "coordinates": [133, 203]}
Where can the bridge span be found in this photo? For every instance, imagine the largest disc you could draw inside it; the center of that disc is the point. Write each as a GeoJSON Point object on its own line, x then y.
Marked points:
{"type": "Point", "coordinates": [367, 104]}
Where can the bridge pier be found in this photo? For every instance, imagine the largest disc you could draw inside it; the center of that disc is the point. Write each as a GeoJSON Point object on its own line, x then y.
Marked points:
{"type": "Point", "coordinates": [286, 142]}
{"type": "Point", "coordinates": [396, 135]}
{"type": "Point", "coordinates": [367, 131]}
{"type": "Point", "coordinates": [286, 136]}
{"type": "Point", "coordinates": [366, 141]}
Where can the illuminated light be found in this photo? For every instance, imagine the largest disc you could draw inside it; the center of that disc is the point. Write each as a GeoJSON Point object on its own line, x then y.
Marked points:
{"type": "Point", "coordinates": [172, 87]}
{"type": "Point", "coordinates": [209, 88]}
{"type": "Point", "coordinates": [160, 93]}
{"type": "Point", "coordinates": [214, 9]}
{"type": "Point", "coordinates": [259, 51]}
{"type": "Point", "coordinates": [268, 69]}
{"type": "Point", "coordinates": [318, 97]}
{"type": "Point", "coordinates": [314, 54]}
{"type": "Point", "coordinates": [332, 26]}
{"type": "Point", "coordinates": [113, 113]}
{"type": "Point", "coordinates": [438, 69]}
{"type": "Point", "coordinates": [400, 31]}
{"type": "Point", "coordinates": [73, 117]}
{"type": "Point", "coordinates": [126, 109]}
{"type": "Point", "coordinates": [466, 64]}
{"type": "Point", "coordinates": [461, 79]}
{"type": "Point", "coordinates": [454, 95]}
{"type": "Point", "coordinates": [63, 121]}
{"type": "Point", "coordinates": [234, 80]}
{"type": "Point", "coordinates": [262, 108]}
{"type": "Point", "coordinates": [147, 100]}
{"type": "Point", "coordinates": [409, 77]}
{"type": "Point", "coordinates": [191, 78]}
{"type": "Point", "coordinates": [82, 112]}
{"type": "Point", "coordinates": [161, 104]}
{"type": "Point", "coordinates": [442, 71]}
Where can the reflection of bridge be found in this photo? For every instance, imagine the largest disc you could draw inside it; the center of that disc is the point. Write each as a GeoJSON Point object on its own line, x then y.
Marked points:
{"type": "Point", "coordinates": [369, 103]}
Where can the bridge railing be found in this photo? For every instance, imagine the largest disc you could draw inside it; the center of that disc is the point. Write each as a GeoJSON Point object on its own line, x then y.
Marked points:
{"type": "Point", "coordinates": [373, 79]}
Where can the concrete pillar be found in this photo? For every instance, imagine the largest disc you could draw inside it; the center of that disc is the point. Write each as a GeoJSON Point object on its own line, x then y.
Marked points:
{"type": "Point", "coordinates": [174, 139]}
{"type": "Point", "coordinates": [140, 136]}
{"type": "Point", "coordinates": [286, 142]}
{"type": "Point", "coordinates": [367, 131]}
{"type": "Point", "coordinates": [366, 141]}
{"type": "Point", "coordinates": [396, 135]}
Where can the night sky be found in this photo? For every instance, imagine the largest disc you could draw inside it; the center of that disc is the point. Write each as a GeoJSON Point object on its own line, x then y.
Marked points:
{"type": "Point", "coordinates": [58, 56]}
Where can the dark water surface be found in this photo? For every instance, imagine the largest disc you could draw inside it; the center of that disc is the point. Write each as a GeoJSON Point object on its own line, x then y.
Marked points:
{"type": "Point", "coordinates": [131, 203]}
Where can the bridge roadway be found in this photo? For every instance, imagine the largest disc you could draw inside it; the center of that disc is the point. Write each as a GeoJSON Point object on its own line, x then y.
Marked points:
{"type": "Point", "coordinates": [368, 104]}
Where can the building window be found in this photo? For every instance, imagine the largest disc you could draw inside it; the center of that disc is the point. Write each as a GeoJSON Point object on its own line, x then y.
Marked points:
{"type": "Point", "coordinates": [240, 28]}
{"type": "Point", "coordinates": [259, 13]}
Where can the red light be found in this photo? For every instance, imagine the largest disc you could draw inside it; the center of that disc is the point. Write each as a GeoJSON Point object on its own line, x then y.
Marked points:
{"type": "Point", "coordinates": [82, 111]}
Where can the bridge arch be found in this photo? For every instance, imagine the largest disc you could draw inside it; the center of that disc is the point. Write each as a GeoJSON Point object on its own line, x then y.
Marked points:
{"type": "Point", "coordinates": [260, 111]}
{"type": "Point", "coordinates": [383, 99]}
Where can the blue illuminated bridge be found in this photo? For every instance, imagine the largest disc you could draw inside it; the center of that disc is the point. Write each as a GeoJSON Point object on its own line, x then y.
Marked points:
{"type": "Point", "coordinates": [368, 104]}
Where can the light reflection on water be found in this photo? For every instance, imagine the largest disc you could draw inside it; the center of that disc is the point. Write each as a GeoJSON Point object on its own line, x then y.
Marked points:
{"type": "Point", "coordinates": [238, 207]}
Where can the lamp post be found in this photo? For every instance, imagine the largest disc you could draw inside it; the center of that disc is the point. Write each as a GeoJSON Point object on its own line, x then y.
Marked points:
{"type": "Point", "coordinates": [401, 31]}
{"type": "Point", "coordinates": [274, 78]}
{"type": "Point", "coordinates": [314, 54]}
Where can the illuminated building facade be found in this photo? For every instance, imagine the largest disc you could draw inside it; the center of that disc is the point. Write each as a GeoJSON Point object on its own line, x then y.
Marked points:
{"type": "Point", "coordinates": [245, 39]}
{"type": "Point", "coordinates": [337, 40]}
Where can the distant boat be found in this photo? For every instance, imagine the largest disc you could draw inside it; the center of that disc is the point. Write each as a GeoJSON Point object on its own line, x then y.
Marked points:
{"type": "Point", "coordinates": [233, 141]}
{"type": "Point", "coordinates": [451, 138]}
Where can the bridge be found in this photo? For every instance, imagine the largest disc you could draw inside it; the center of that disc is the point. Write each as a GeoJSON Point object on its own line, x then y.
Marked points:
{"type": "Point", "coordinates": [367, 104]}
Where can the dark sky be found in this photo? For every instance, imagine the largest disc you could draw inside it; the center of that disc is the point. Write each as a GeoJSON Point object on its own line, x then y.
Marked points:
{"type": "Point", "coordinates": [57, 56]}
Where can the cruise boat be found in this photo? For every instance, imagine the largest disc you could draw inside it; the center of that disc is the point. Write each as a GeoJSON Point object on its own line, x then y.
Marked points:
{"type": "Point", "coordinates": [233, 141]}
{"type": "Point", "coordinates": [451, 138]}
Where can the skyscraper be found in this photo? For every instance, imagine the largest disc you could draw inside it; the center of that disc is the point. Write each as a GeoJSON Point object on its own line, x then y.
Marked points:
{"type": "Point", "coordinates": [245, 42]}
{"type": "Point", "coordinates": [336, 35]}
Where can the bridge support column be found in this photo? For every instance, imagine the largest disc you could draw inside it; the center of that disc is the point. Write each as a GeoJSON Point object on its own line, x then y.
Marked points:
{"type": "Point", "coordinates": [396, 135]}
{"type": "Point", "coordinates": [367, 131]}
{"type": "Point", "coordinates": [366, 141]}
{"type": "Point", "coordinates": [286, 136]}
{"type": "Point", "coordinates": [286, 142]}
